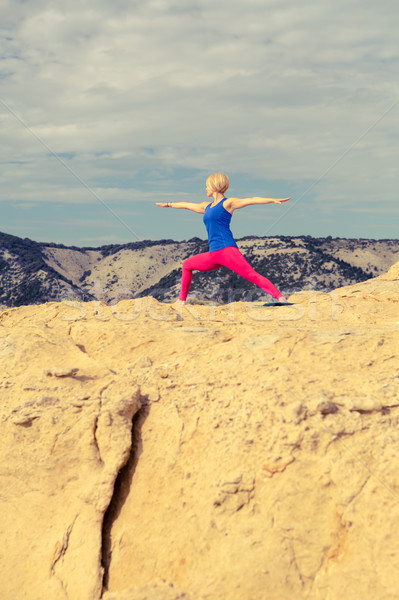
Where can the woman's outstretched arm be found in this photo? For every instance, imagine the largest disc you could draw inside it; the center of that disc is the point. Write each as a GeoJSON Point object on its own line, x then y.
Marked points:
{"type": "Point", "coordinates": [198, 207]}
{"type": "Point", "coordinates": [235, 203]}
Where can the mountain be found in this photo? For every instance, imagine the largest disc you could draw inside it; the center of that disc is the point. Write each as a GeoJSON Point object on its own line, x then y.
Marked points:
{"type": "Point", "coordinates": [26, 277]}
{"type": "Point", "coordinates": [36, 272]}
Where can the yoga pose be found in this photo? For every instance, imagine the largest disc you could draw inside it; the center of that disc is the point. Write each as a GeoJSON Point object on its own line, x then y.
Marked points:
{"type": "Point", "coordinates": [223, 250]}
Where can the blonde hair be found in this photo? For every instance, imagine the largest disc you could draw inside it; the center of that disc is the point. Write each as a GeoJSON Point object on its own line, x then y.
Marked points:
{"type": "Point", "coordinates": [218, 182]}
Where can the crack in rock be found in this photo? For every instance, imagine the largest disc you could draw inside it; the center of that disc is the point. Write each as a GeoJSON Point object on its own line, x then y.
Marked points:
{"type": "Point", "coordinates": [121, 490]}
{"type": "Point", "coordinates": [96, 444]}
{"type": "Point", "coordinates": [60, 551]}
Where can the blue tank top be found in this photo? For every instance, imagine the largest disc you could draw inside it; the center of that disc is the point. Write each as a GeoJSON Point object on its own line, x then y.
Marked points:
{"type": "Point", "coordinates": [217, 222]}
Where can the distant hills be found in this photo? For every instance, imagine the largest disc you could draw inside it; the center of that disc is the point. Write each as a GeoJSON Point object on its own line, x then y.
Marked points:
{"type": "Point", "coordinates": [37, 272]}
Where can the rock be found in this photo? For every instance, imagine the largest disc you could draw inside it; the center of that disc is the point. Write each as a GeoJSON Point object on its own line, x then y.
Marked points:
{"type": "Point", "coordinates": [217, 458]}
{"type": "Point", "coordinates": [327, 408]}
{"type": "Point", "coordinates": [364, 404]}
{"type": "Point", "coordinates": [144, 362]}
{"type": "Point", "coordinates": [58, 468]}
{"type": "Point", "coordinates": [155, 591]}
{"type": "Point", "coordinates": [61, 371]}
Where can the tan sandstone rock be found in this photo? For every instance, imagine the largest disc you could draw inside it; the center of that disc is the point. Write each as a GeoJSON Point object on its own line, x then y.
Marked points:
{"type": "Point", "coordinates": [264, 463]}
{"type": "Point", "coordinates": [63, 441]}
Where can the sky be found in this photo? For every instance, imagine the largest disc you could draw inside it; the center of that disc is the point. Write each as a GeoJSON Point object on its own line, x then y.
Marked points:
{"type": "Point", "coordinates": [109, 107]}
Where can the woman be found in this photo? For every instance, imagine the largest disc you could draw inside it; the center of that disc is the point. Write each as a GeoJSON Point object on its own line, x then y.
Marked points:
{"type": "Point", "coordinates": [223, 250]}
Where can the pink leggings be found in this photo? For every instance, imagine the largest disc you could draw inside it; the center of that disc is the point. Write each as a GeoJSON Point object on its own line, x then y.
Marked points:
{"type": "Point", "coordinates": [229, 257]}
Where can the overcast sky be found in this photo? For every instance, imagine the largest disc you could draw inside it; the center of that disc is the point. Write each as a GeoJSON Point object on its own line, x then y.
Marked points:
{"type": "Point", "coordinates": [108, 107]}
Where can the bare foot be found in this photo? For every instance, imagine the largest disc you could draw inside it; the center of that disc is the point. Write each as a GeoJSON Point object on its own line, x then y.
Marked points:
{"type": "Point", "coordinates": [282, 299]}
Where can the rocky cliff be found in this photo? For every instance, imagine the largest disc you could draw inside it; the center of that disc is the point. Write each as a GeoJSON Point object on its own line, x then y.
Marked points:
{"type": "Point", "coordinates": [230, 452]}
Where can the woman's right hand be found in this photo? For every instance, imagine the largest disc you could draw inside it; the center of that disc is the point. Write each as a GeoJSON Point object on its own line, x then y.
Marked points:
{"type": "Point", "coordinates": [163, 204]}
{"type": "Point", "coordinates": [281, 200]}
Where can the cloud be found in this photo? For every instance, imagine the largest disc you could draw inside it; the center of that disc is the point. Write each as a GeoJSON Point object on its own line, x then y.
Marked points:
{"type": "Point", "coordinates": [137, 97]}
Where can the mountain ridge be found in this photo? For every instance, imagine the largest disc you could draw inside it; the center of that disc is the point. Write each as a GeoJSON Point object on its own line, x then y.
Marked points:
{"type": "Point", "coordinates": [36, 272]}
